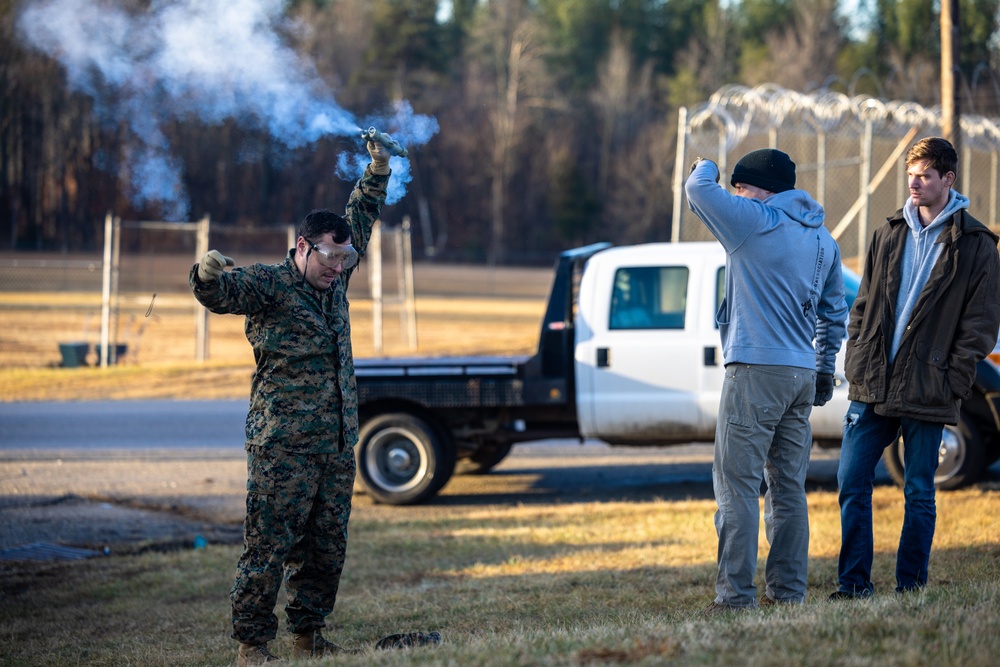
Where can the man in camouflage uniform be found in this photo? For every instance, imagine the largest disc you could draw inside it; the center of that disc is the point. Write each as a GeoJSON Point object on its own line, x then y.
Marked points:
{"type": "Point", "coordinates": [302, 424]}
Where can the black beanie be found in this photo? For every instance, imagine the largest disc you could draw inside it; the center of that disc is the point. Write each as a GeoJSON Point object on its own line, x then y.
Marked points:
{"type": "Point", "coordinates": [766, 168]}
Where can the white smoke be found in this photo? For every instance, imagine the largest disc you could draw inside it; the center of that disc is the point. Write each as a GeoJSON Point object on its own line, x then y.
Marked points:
{"type": "Point", "coordinates": [212, 61]}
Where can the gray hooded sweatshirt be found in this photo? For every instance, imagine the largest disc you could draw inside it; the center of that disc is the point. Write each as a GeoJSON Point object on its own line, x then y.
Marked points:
{"type": "Point", "coordinates": [784, 301]}
{"type": "Point", "coordinates": [919, 256]}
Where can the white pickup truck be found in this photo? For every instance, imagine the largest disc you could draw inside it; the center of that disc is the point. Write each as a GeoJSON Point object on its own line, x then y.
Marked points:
{"type": "Point", "coordinates": [629, 353]}
{"type": "Point", "coordinates": [648, 353]}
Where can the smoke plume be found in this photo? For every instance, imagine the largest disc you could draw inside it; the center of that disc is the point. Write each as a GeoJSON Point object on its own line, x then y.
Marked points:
{"type": "Point", "coordinates": [211, 61]}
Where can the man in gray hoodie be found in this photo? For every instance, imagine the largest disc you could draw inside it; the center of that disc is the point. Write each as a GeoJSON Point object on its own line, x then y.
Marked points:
{"type": "Point", "coordinates": [926, 313]}
{"type": "Point", "coordinates": [782, 323]}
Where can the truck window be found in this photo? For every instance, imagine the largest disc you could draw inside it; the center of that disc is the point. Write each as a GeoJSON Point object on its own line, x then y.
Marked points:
{"type": "Point", "coordinates": [649, 297]}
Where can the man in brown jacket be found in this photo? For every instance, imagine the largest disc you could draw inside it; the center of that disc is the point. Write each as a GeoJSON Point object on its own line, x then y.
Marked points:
{"type": "Point", "coordinates": [927, 310]}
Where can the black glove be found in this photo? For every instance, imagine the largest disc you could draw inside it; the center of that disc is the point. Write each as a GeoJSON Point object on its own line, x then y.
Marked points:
{"type": "Point", "coordinates": [824, 389]}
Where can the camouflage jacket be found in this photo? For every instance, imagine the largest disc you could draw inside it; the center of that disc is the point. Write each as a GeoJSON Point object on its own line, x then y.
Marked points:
{"type": "Point", "coordinates": [303, 397]}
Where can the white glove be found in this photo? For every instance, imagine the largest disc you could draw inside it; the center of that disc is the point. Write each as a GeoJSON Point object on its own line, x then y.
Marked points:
{"type": "Point", "coordinates": [211, 266]}
{"type": "Point", "coordinates": [380, 157]}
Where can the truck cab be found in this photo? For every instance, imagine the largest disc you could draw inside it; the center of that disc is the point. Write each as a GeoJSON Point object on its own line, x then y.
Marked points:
{"type": "Point", "coordinates": [648, 357]}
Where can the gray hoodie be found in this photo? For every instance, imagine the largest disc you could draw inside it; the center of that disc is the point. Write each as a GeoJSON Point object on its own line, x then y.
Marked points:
{"type": "Point", "coordinates": [919, 256]}
{"type": "Point", "coordinates": [784, 302]}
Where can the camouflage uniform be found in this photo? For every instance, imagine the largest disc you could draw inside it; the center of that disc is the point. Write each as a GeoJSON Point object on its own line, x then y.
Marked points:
{"type": "Point", "coordinates": [300, 432]}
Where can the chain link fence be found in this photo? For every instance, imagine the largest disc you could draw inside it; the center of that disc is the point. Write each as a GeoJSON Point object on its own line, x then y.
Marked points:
{"type": "Point", "coordinates": [849, 154]}
{"type": "Point", "coordinates": [134, 302]}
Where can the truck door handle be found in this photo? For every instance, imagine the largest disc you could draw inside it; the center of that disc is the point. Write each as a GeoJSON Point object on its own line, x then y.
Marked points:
{"type": "Point", "coordinates": [603, 357]}
{"type": "Point", "coordinates": [710, 359]}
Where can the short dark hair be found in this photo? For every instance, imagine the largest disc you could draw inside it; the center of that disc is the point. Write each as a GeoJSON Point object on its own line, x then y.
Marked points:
{"type": "Point", "coordinates": [322, 221]}
{"type": "Point", "coordinates": [939, 152]}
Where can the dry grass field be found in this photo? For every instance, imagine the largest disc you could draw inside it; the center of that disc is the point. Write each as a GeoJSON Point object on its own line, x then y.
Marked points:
{"type": "Point", "coordinates": [161, 363]}
{"type": "Point", "coordinates": [459, 310]}
{"type": "Point", "coordinates": [569, 583]}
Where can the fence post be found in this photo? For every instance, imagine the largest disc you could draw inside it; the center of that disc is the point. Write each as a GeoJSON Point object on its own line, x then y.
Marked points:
{"type": "Point", "coordinates": [200, 312]}
{"type": "Point", "coordinates": [106, 291]}
{"type": "Point", "coordinates": [111, 350]}
{"type": "Point", "coordinates": [966, 167]}
{"type": "Point", "coordinates": [375, 283]}
{"type": "Point", "coordinates": [409, 300]}
{"type": "Point", "coordinates": [993, 190]}
{"type": "Point", "coordinates": [866, 171]}
{"type": "Point", "coordinates": [723, 164]}
{"type": "Point", "coordinates": [821, 167]}
{"type": "Point", "coordinates": [675, 224]}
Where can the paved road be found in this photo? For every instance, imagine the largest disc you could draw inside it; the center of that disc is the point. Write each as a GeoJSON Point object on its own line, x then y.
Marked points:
{"type": "Point", "coordinates": [152, 424]}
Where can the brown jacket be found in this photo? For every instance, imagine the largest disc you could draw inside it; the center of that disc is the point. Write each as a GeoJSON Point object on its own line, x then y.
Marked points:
{"type": "Point", "coordinates": [953, 325]}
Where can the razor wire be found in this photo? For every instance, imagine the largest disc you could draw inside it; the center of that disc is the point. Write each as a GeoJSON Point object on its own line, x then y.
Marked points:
{"type": "Point", "coordinates": [846, 148]}
{"type": "Point", "coordinates": [740, 109]}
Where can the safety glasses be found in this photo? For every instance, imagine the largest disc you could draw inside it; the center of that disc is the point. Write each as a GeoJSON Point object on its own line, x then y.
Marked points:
{"type": "Point", "coordinates": [346, 257]}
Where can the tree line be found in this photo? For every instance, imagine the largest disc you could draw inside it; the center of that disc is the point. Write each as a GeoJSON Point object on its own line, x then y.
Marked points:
{"type": "Point", "coordinates": [558, 118]}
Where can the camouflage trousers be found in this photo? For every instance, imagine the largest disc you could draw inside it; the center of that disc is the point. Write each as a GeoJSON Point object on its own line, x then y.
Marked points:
{"type": "Point", "coordinates": [295, 531]}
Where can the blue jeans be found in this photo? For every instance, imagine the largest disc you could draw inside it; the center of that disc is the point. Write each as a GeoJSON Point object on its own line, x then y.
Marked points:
{"type": "Point", "coordinates": [763, 433]}
{"type": "Point", "coordinates": [866, 435]}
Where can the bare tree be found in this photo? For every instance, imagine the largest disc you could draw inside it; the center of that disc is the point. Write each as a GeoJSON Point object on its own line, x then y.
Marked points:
{"type": "Point", "coordinates": [509, 35]}
{"type": "Point", "coordinates": [635, 144]}
{"type": "Point", "coordinates": [335, 36]}
{"type": "Point", "coordinates": [612, 100]}
{"type": "Point", "coordinates": [804, 53]}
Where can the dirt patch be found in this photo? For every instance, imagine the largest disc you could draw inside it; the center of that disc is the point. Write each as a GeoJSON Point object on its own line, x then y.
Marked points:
{"type": "Point", "coordinates": [107, 527]}
{"type": "Point", "coordinates": [122, 502]}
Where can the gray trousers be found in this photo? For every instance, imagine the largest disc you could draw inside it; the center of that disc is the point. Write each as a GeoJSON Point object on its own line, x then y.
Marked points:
{"type": "Point", "coordinates": [763, 432]}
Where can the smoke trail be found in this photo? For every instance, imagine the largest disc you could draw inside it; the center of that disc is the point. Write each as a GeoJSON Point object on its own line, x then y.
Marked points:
{"type": "Point", "coordinates": [212, 61]}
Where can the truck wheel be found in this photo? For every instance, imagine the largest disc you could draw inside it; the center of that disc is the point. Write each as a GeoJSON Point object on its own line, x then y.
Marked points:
{"type": "Point", "coordinates": [961, 457]}
{"type": "Point", "coordinates": [482, 460]}
{"type": "Point", "coordinates": [402, 459]}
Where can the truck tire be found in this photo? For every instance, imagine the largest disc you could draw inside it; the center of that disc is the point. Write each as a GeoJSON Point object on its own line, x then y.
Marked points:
{"type": "Point", "coordinates": [482, 460]}
{"type": "Point", "coordinates": [961, 457]}
{"type": "Point", "coordinates": [402, 459]}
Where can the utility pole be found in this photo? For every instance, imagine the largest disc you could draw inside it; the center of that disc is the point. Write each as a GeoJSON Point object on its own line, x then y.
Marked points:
{"type": "Point", "coordinates": [951, 114]}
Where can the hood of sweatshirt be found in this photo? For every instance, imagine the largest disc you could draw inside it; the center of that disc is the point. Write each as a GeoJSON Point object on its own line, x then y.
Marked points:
{"type": "Point", "coordinates": [799, 206]}
{"type": "Point", "coordinates": [956, 202]}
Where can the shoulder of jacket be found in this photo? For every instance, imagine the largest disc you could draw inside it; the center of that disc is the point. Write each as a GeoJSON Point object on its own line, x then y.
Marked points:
{"type": "Point", "coordinates": [964, 229]}
{"type": "Point", "coordinates": [895, 224]}
{"type": "Point", "coordinates": [968, 224]}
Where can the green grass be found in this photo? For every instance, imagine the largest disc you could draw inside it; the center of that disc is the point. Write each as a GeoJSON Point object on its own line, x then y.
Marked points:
{"type": "Point", "coordinates": [570, 584]}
